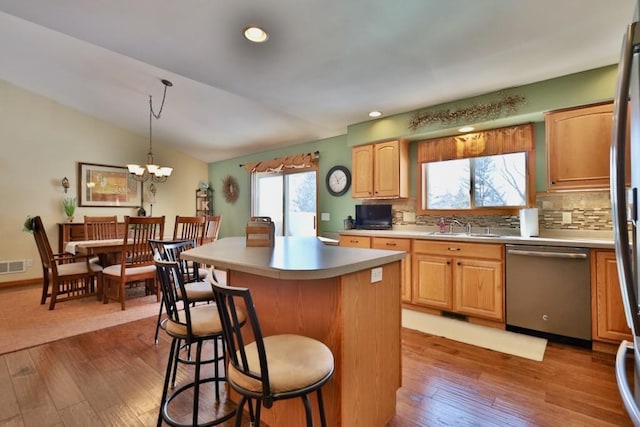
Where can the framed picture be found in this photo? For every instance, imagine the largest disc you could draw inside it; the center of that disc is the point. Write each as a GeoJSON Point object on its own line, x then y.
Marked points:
{"type": "Point", "coordinates": [103, 185]}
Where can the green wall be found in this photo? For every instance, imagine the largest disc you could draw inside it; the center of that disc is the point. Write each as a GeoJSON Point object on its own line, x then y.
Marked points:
{"type": "Point", "coordinates": [562, 92]}
{"type": "Point", "coordinates": [333, 151]}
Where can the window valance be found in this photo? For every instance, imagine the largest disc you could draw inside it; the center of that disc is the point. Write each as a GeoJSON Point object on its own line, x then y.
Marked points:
{"type": "Point", "coordinates": [486, 143]}
{"type": "Point", "coordinates": [281, 164]}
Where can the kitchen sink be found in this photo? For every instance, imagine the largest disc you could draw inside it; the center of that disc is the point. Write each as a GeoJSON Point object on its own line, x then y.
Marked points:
{"type": "Point", "coordinates": [486, 235]}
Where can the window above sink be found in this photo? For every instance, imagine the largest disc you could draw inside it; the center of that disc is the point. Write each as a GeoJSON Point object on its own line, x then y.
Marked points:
{"type": "Point", "coordinates": [489, 172]}
{"type": "Point", "coordinates": [478, 182]}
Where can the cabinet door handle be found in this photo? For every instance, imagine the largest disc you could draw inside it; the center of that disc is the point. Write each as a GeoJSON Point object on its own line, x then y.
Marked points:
{"type": "Point", "coordinates": [459, 263]}
{"type": "Point", "coordinates": [390, 244]}
{"type": "Point", "coordinates": [453, 249]}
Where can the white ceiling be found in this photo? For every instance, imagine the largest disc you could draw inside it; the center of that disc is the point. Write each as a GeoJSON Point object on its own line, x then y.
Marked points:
{"type": "Point", "coordinates": [326, 64]}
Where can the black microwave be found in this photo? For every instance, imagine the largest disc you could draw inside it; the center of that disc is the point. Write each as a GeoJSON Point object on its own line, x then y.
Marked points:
{"type": "Point", "coordinates": [373, 217]}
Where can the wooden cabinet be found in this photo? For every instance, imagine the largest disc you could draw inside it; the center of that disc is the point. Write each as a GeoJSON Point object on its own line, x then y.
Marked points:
{"type": "Point", "coordinates": [405, 264]}
{"type": "Point", "coordinates": [390, 244]}
{"type": "Point", "coordinates": [204, 202]}
{"type": "Point", "coordinates": [380, 170]}
{"type": "Point", "coordinates": [578, 141]}
{"type": "Point", "coordinates": [362, 171]}
{"type": "Point", "coordinates": [609, 323]}
{"type": "Point", "coordinates": [355, 241]}
{"type": "Point", "coordinates": [463, 278]}
{"type": "Point", "coordinates": [432, 281]}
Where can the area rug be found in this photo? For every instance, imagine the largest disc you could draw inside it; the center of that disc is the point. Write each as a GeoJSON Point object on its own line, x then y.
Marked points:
{"type": "Point", "coordinates": [24, 322]}
{"type": "Point", "coordinates": [507, 342]}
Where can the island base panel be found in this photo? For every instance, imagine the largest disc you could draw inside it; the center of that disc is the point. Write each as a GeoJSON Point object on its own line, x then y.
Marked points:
{"type": "Point", "coordinates": [359, 321]}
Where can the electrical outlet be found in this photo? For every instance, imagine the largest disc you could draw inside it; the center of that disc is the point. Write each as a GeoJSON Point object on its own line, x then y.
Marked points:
{"type": "Point", "coordinates": [29, 263]}
{"type": "Point", "coordinates": [376, 274]}
{"type": "Point", "coordinates": [566, 217]}
{"type": "Point", "coordinates": [325, 216]}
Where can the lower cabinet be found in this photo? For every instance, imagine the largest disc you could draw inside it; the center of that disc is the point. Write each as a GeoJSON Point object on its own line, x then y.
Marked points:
{"type": "Point", "coordinates": [468, 279]}
{"type": "Point", "coordinates": [405, 264]}
{"type": "Point", "coordinates": [355, 241]}
{"type": "Point", "coordinates": [390, 244]}
{"type": "Point", "coordinates": [463, 278]}
{"type": "Point", "coordinates": [609, 323]}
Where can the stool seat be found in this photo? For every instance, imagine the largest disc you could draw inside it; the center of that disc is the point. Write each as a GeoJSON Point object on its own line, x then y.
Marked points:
{"type": "Point", "coordinates": [294, 361]}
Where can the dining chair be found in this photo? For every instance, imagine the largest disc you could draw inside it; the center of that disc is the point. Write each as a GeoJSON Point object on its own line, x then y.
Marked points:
{"type": "Point", "coordinates": [212, 228]}
{"type": "Point", "coordinates": [270, 368]}
{"type": "Point", "coordinates": [66, 274]}
{"type": "Point", "coordinates": [136, 259]}
{"type": "Point", "coordinates": [189, 325]}
{"type": "Point", "coordinates": [189, 227]}
{"type": "Point", "coordinates": [196, 290]}
{"type": "Point", "coordinates": [100, 227]}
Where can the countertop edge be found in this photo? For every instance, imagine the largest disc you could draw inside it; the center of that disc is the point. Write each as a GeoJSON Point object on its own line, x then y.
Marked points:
{"type": "Point", "coordinates": [505, 239]}
{"type": "Point", "coordinates": [232, 254]}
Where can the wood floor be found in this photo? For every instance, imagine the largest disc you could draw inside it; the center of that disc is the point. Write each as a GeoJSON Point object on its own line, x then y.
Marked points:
{"type": "Point", "coordinates": [113, 377]}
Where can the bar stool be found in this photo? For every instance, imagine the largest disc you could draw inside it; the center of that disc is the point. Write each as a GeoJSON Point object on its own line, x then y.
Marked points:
{"type": "Point", "coordinates": [196, 289]}
{"type": "Point", "coordinates": [189, 325]}
{"type": "Point", "coordinates": [271, 368]}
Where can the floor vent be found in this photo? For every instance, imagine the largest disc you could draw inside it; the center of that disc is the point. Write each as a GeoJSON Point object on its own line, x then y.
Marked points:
{"type": "Point", "coordinates": [15, 266]}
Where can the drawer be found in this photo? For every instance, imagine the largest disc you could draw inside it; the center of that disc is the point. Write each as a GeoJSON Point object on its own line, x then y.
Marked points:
{"type": "Point", "coordinates": [391, 244]}
{"type": "Point", "coordinates": [356, 241]}
{"type": "Point", "coordinates": [459, 249]}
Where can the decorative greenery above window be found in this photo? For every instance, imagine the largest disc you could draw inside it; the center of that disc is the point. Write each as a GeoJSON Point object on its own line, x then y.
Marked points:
{"type": "Point", "coordinates": [479, 112]}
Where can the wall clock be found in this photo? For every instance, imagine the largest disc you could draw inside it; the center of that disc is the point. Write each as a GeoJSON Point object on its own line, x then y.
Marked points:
{"type": "Point", "coordinates": [230, 189]}
{"type": "Point", "coordinates": [338, 180]}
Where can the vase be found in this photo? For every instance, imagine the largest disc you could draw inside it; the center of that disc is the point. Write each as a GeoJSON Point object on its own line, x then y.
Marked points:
{"type": "Point", "coordinates": [69, 219]}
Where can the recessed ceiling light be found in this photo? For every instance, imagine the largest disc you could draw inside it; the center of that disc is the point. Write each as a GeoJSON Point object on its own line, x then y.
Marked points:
{"type": "Point", "coordinates": [375, 114]}
{"type": "Point", "coordinates": [466, 129]}
{"type": "Point", "coordinates": [256, 34]}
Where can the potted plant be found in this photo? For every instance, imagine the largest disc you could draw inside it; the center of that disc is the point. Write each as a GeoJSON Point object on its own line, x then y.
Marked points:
{"type": "Point", "coordinates": [69, 205]}
{"type": "Point", "coordinates": [28, 224]}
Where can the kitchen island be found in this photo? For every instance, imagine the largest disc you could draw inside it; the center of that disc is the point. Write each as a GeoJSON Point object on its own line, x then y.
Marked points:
{"type": "Point", "coordinates": [303, 286]}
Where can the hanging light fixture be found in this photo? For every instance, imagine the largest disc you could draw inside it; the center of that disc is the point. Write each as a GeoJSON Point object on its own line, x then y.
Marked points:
{"type": "Point", "coordinates": [151, 170]}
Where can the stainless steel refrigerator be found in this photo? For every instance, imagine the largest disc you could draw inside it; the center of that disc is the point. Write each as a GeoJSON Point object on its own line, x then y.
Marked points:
{"type": "Point", "coordinates": [625, 208]}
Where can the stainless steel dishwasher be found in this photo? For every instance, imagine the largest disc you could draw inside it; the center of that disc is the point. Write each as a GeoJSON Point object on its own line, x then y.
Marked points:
{"type": "Point", "coordinates": [548, 289]}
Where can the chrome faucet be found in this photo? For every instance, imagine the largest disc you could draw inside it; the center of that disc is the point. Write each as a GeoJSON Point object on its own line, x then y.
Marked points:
{"type": "Point", "coordinates": [454, 221]}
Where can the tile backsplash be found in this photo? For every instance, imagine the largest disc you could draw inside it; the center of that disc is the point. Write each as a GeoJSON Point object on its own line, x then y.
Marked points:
{"type": "Point", "coordinates": [583, 211]}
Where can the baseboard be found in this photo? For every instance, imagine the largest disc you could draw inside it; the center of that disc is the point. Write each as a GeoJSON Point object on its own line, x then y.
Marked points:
{"type": "Point", "coordinates": [25, 282]}
{"type": "Point", "coordinates": [578, 342]}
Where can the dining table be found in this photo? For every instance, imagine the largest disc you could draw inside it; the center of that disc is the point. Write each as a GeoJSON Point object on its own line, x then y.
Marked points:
{"type": "Point", "coordinates": [107, 251]}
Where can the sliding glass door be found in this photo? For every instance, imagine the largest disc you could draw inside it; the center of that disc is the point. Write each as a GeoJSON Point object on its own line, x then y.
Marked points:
{"type": "Point", "coordinates": [289, 199]}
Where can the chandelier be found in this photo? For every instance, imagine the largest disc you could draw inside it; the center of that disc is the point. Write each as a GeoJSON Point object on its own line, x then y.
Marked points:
{"type": "Point", "coordinates": [151, 170]}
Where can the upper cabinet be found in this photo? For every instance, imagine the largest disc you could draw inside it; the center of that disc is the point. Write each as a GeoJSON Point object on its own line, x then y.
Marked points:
{"type": "Point", "coordinates": [381, 170]}
{"type": "Point", "coordinates": [578, 141]}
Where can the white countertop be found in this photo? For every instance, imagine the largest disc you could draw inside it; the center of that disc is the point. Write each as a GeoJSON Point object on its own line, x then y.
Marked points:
{"type": "Point", "coordinates": [596, 240]}
{"type": "Point", "coordinates": [295, 258]}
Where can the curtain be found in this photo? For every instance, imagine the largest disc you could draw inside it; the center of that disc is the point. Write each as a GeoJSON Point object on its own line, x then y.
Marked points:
{"type": "Point", "coordinates": [281, 164]}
